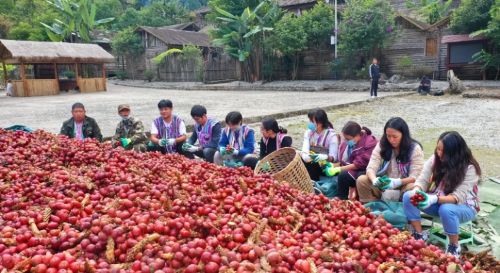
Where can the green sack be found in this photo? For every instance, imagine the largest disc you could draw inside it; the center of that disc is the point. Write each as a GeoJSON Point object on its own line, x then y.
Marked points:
{"type": "Point", "coordinates": [327, 185]}
{"type": "Point", "coordinates": [19, 128]}
{"type": "Point", "coordinates": [391, 211]}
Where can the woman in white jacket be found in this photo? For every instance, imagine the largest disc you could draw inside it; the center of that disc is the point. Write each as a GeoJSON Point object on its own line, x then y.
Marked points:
{"type": "Point", "coordinates": [449, 185]}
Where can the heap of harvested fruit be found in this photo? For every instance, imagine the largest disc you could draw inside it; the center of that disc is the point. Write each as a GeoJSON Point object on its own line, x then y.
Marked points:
{"type": "Point", "coordinates": [72, 206]}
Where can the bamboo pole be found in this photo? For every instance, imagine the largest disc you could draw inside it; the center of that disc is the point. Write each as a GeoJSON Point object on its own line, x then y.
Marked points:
{"type": "Point", "coordinates": [5, 75]}
{"type": "Point", "coordinates": [26, 91]}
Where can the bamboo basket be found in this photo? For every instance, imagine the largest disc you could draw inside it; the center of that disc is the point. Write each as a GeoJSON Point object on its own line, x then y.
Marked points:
{"type": "Point", "coordinates": [286, 166]}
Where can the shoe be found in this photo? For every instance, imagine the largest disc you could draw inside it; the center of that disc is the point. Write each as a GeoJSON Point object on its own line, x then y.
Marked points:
{"type": "Point", "coordinates": [424, 235]}
{"type": "Point", "coordinates": [454, 250]}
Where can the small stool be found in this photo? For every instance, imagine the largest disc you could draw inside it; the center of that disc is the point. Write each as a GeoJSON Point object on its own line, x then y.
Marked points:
{"type": "Point", "coordinates": [465, 232]}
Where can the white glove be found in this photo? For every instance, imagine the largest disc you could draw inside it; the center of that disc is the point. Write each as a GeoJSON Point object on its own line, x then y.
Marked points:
{"type": "Point", "coordinates": [235, 152]}
{"type": "Point", "coordinates": [412, 192]}
{"type": "Point", "coordinates": [320, 157]}
{"type": "Point", "coordinates": [171, 141]}
{"type": "Point", "coordinates": [306, 157]}
{"type": "Point", "coordinates": [193, 149]}
{"type": "Point", "coordinates": [395, 183]}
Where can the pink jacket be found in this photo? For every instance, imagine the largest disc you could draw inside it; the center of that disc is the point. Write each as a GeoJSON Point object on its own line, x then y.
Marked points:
{"type": "Point", "coordinates": [360, 155]}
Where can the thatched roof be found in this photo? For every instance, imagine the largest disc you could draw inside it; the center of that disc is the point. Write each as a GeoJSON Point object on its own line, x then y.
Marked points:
{"type": "Point", "coordinates": [178, 37]}
{"type": "Point", "coordinates": [289, 3]}
{"type": "Point", "coordinates": [52, 52]}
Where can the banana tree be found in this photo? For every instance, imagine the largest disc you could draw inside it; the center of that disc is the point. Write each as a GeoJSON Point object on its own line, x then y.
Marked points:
{"type": "Point", "coordinates": [76, 22]}
{"type": "Point", "coordinates": [236, 34]}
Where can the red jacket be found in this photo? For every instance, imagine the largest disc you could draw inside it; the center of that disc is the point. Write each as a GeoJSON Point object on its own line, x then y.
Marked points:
{"type": "Point", "coordinates": [360, 155]}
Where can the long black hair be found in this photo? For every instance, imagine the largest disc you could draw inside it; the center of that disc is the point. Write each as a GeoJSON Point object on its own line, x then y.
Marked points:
{"type": "Point", "coordinates": [321, 117]}
{"type": "Point", "coordinates": [272, 124]}
{"type": "Point", "coordinates": [457, 157]}
{"type": "Point", "coordinates": [407, 142]}
{"type": "Point", "coordinates": [352, 128]}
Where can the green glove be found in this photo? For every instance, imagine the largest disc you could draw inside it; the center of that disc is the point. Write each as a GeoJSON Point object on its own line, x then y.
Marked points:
{"type": "Point", "coordinates": [186, 146]}
{"type": "Point", "coordinates": [266, 167]}
{"type": "Point", "coordinates": [232, 164]}
{"type": "Point", "coordinates": [151, 144]}
{"type": "Point", "coordinates": [429, 200]}
{"type": "Point", "coordinates": [125, 141]}
{"type": "Point", "coordinates": [163, 142]}
{"type": "Point", "coordinates": [331, 171]}
{"type": "Point", "coordinates": [222, 150]}
{"type": "Point", "coordinates": [383, 182]}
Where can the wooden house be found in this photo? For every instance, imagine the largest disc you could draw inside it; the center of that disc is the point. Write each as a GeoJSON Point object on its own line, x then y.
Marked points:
{"type": "Point", "coordinates": [156, 40]}
{"type": "Point", "coordinates": [458, 51]}
{"type": "Point", "coordinates": [46, 68]}
{"type": "Point", "coordinates": [418, 42]}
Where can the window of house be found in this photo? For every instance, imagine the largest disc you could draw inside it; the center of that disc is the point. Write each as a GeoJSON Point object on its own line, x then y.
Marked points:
{"type": "Point", "coordinates": [13, 72]}
{"type": "Point", "coordinates": [431, 47]}
{"type": "Point", "coordinates": [90, 71]}
{"type": "Point", "coordinates": [39, 71]}
{"type": "Point", "coordinates": [66, 71]}
{"type": "Point", "coordinates": [462, 53]}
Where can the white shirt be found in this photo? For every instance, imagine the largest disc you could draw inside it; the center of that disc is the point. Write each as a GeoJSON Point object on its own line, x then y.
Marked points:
{"type": "Point", "coordinates": [182, 127]}
{"type": "Point", "coordinates": [332, 148]}
{"type": "Point", "coordinates": [9, 89]}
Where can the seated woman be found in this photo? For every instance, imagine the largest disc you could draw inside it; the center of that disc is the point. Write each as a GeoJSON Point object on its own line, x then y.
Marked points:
{"type": "Point", "coordinates": [237, 144]}
{"type": "Point", "coordinates": [354, 155]}
{"type": "Point", "coordinates": [273, 137]}
{"type": "Point", "coordinates": [397, 157]}
{"type": "Point", "coordinates": [449, 186]}
{"type": "Point", "coordinates": [320, 144]}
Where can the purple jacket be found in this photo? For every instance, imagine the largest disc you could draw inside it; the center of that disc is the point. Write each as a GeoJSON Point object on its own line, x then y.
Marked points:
{"type": "Point", "coordinates": [360, 155]}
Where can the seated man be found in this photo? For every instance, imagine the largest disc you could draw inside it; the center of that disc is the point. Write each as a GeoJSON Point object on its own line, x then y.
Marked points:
{"type": "Point", "coordinates": [80, 126]}
{"type": "Point", "coordinates": [168, 131]}
{"type": "Point", "coordinates": [207, 132]}
{"type": "Point", "coordinates": [425, 86]}
{"type": "Point", "coordinates": [129, 131]}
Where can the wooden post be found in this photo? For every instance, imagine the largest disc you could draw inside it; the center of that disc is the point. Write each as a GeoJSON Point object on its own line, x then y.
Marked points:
{"type": "Point", "coordinates": [5, 75]}
{"type": "Point", "coordinates": [77, 77]}
{"type": "Point", "coordinates": [56, 77]}
{"type": "Point", "coordinates": [104, 76]}
{"type": "Point", "coordinates": [26, 91]}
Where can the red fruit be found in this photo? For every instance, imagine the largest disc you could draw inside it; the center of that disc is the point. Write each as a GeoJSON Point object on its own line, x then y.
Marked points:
{"type": "Point", "coordinates": [211, 267]}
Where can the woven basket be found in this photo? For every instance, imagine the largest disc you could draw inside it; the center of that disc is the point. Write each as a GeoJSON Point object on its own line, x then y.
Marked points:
{"type": "Point", "coordinates": [286, 166]}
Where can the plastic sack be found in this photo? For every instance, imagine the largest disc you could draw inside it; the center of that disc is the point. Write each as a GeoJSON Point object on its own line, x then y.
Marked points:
{"type": "Point", "coordinates": [19, 128]}
{"type": "Point", "coordinates": [391, 211]}
{"type": "Point", "coordinates": [326, 186]}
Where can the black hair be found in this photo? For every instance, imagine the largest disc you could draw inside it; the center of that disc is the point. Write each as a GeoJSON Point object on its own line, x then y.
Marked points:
{"type": "Point", "coordinates": [406, 145]}
{"type": "Point", "coordinates": [457, 157]}
{"type": "Point", "coordinates": [234, 117]}
{"type": "Point", "coordinates": [353, 129]}
{"type": "Point", "coordinates": [77, 105]}
{"type": "Point", "coordinates": [198, 111]}
{"type": "Point", "coordinates": [272, 124]}
{"type": "Point", "coordinates": [321, 117]}
{"type": "Point", "coordinates": [165, 104]}
{"type": "Point", "coordinates": [311, 114]}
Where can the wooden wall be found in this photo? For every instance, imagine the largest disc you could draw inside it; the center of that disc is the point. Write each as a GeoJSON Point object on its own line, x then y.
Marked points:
{"type": "Point", "coordinates": [314, 65]}
{"type": "Point", "coordinates": [409, 41]}
{"type": "Point", "coordinates": [39, 87]}
{"type": "Point", "coordinates": [88, 85]}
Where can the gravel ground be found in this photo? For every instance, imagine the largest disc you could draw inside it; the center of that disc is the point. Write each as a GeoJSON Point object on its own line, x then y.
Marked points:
{"type": "Point", "coordinates": [476, 119]}
{"type": "Point", "coordinates": [49, 112]}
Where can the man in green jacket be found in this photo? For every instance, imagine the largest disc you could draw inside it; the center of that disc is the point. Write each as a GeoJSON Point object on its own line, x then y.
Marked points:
{"type": "Point", "coordinates": [80, 126]}
{"type": "Point", "coordinates": [129, 132]}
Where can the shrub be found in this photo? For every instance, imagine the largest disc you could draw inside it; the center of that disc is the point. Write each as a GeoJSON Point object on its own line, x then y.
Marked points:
{"type": "Point", "coordinates": [149, 75]}
{"type": "Point", "coordinates": [122, 75]}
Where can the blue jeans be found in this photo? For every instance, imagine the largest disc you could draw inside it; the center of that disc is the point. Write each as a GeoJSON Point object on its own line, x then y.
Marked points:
{"type": "Point", "coordinates": [451, 214]}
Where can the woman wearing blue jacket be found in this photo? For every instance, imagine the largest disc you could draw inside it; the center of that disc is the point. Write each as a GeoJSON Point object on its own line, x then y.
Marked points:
{"type": "Point", "coordinates": [237, 143]}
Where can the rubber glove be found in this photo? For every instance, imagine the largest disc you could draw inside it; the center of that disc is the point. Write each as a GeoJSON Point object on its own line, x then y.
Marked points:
{"type": "Point", "coordinates": [266, 167]}
{"type": "Point", "coordinates": [222, 150]}
{"type": "Point", "coordinates": [163, 142]}
{"type": "Point", "coordinates": [150, 144]}
{"type": "Point", "coordinates": [235, 152]}
{"type": "Point", "coordinates": [186, 146]}
{"type": "Point", "coordinates": [306, 157]}
{"type": "Point", "coordinates": [429, 200]}
{"type": "Point", "coordinates": [381, 182]}
{"type": "Point", "coordinates": [171, 141]}
{"type": "Point", "coordinates": [319, 157]}
{"type": "Point", "coordinates": [229, 149]}
{"type": "Point", "coordinates": [232, 164]}
{"type": "Point", "coordinates": [125, 141]}
{"type": "Point", "coordinates": [193, 149]}
{"type": "Point", "coordinates": [412, 192]}
{"type": "Point", "coordinates": [332, 171]}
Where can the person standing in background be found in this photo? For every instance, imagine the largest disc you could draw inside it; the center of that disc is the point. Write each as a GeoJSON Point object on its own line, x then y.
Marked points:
{"type": "Point", "coordinates": [9, 89]}
{"type": "Point", "coordinates": [374, 72]}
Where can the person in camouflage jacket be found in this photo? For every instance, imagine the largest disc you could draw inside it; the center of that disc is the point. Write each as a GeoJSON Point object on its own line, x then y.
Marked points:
{"type": "Point", "coordinates": [129, 132]}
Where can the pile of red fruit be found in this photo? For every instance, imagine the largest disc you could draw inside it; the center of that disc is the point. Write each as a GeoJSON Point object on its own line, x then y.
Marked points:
{"type": "Point", "coordinates": [417, 198]}
{"type": "Point", "coordinates": [70, 206]}
{"type": "Point", "coordinates": [229, 149]}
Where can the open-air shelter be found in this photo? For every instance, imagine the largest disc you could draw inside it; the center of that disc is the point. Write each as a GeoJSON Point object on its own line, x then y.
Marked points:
{"type": "Point", "coordinates": [46, 68]}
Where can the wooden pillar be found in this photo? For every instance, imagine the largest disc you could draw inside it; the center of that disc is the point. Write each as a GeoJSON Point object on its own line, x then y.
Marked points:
{"type": "Point", "coordinates": [77, 77]}
{"type": "Point", "coordinates": [56, 78]}
{"type": "Point", "coordinates": [104, 77]}
{"type": "Point", "coordinates": [5, 74]}
{"type": "Point", "coordinates": [26, 91]}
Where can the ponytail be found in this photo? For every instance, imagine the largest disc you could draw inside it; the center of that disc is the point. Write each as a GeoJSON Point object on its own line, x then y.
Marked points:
{"type": "Point", "coordinates": [282, 130]}
{"type": "Point", "coordinates": [272, 124]}
{"type": "Point", "coordinates": [353, 129]}
{"type": "Point", "coordinates": [366, 130]}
